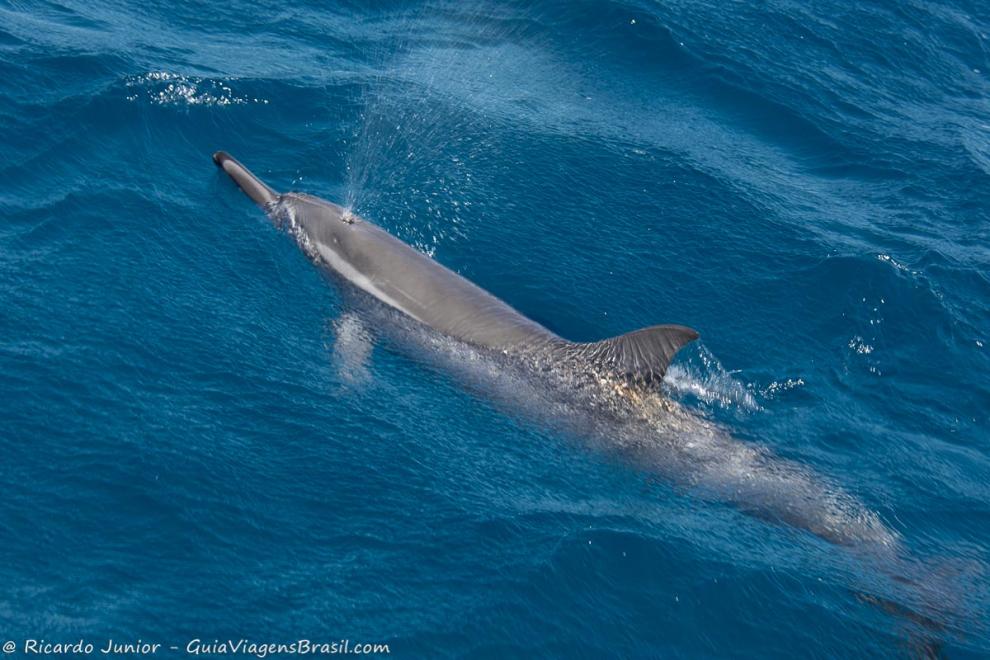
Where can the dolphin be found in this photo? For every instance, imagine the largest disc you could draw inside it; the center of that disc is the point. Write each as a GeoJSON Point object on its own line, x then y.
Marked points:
{"type": "Point", "coordinates": [612, 385]}
{"type": "Point", "coordinates": [615, 381]}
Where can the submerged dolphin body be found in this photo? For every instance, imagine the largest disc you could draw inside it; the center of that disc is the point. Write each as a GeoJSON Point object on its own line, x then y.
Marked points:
{"type": "Point", "coordinates": [611, 386]}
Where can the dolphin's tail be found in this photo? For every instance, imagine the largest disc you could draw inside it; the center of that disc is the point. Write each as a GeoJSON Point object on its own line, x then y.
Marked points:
{"type": "Point", "coordinates": [252, 186]}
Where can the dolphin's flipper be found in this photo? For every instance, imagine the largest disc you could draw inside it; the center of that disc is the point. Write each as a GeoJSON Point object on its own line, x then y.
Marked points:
{"type": "Point", "coordinates": [639, 356]}
{"type": "Point", "coordinates": [352, 348]}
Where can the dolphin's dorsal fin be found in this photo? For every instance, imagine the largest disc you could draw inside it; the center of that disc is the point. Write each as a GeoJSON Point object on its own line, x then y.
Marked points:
{"type": "Point", "coordinates": [641, 355]}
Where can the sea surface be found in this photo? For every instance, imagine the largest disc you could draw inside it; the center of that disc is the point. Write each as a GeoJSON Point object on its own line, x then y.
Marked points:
{"type": "Point", "coordinates": [199, 439]}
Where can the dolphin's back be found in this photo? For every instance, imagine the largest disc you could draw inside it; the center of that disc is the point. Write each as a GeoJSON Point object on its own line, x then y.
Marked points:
{"type": "Point", "coordinates": [408, 280]}
{"type": "Point", "coordinates": [402, 277]}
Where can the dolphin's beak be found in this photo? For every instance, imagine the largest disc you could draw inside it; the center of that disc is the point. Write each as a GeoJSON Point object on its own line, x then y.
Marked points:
{"type": "Point", "coordinates": [252, 186]}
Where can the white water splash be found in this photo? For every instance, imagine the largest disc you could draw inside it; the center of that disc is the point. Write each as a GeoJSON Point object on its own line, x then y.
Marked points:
{"type": "Point", "coordinates": [174, 89]}
{"type": "Point", "coordinates": [860, 346]}
{"type": "Point", "coordinates": [780, 386]}
{"type": "Point", "coordinates": [886, 258]}
{"type": "Point", "coordinates": [705, 379]}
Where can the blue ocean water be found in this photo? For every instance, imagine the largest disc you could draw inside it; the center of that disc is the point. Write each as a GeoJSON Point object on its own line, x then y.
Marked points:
{"type": "Point", "coordinates": [199, 440]}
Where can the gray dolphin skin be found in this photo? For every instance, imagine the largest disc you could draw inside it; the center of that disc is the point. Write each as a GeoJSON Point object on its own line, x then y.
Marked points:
{"type": "Point", "coordinates": [409, 281]}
